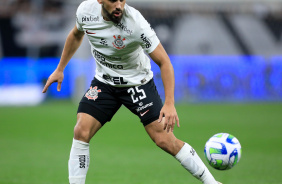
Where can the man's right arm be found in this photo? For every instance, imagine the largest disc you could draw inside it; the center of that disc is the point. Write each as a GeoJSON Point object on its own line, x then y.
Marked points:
{"type": "Point", "coordinates": [72, 43]}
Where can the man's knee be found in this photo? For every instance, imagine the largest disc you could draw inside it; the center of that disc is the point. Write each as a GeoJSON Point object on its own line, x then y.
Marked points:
{"type": "Point", "coordinates": [162, 143]}
{"type": "Point", "coordinates": [171, 145]}
{"type": "Point", "coordinates": [82, 133]}
{"type": "Point", "coordinates": [85, 127]}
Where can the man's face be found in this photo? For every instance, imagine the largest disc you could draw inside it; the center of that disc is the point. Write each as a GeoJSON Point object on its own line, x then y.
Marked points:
{"type": "Point", "coordinates": [112, 9]}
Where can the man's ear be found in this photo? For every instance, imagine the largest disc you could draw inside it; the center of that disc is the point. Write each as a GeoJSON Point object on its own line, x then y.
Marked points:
{"type": "Point", "coordinates": [100, 1]}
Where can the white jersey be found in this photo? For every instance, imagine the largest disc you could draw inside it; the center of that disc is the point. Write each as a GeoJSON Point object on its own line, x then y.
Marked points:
{"type": "Point", "coordinates": [118, 49]}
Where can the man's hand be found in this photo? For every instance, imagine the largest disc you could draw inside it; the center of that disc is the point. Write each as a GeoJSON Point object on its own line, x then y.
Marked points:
{"type": "Point", "coordinates": [56, 76]}
{"type": "Point", "coordinates": [171, 117]}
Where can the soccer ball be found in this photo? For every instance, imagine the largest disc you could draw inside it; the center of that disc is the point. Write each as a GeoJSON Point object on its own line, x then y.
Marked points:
{"type": "Point", "coordinates": [223, 151]}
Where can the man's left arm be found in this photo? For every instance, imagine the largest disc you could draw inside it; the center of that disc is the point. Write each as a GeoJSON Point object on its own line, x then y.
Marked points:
{"type": "Point", "coordinates": [160, 57]}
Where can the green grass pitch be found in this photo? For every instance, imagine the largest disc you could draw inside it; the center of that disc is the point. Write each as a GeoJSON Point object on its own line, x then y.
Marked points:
{"type": "Point", "coordinates": [35, 144]}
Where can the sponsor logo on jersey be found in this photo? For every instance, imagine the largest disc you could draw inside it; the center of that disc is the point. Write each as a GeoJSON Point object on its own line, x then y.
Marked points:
{"type": "Point", "coordinates": [119, 42]}
{"type": "Point", "coordinates": [144, 106]}
{"type": "Point", "coordinates": [90, 19]}
{"type": "Point", "coordinates": [124, 28]}
{"type": "Point", "coordinates": [100, 58]}
{"type": "Point", "coordinates": [89, 32]}
{"type": "Point", "coordinates": [147, 41]}
{"type": "Point", "coordinates": [115, 80]}
{"type": "Point", "coordinates": [106, 57]}
{"type": "Point", "coordinates": [104, 42]}
{"type": "Point", "coordinates": [92, 93]}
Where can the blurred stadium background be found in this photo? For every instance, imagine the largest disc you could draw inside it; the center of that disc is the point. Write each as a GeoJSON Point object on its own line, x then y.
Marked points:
{"type": "Point", "coordinates": [227, 56]}
{"type": "Point", "coordinates": [222, 50]}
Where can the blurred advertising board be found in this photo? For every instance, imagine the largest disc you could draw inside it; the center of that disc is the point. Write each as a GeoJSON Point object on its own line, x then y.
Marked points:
{"type": "Point", "coordinates": [198, 79]}
{"type": "Point", "coordinates": [226, 78]}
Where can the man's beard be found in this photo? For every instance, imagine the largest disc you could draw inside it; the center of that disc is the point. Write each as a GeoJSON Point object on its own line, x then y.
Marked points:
{"type": "Point", "coordinates": [112, 16]}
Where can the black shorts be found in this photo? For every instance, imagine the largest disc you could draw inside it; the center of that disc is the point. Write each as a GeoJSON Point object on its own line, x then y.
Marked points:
{"type": "Point", "coordinates": [102, 101]}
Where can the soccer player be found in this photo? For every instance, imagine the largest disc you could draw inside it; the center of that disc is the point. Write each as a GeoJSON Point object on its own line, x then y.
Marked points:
{"type": "Point", "coordinates": [119, 35]}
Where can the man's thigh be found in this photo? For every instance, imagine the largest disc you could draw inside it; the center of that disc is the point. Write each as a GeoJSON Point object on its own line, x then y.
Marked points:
{"type": "Point", "coordinates": [99, 102]}
{"type": "Point", "coordinates": [86, 127]}
{"type": "Point", "coordinates": [144, 101]}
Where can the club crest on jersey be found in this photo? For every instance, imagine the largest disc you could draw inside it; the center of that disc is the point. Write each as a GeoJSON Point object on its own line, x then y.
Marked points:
{"type": "Point", "coordinates": [119, 42]}
{"type": "Point", "coordinates": [92, 93]}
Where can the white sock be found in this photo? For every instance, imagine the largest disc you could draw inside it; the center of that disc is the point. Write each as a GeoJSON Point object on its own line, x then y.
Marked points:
{"type": "Point", "coordinates": [190, 160]}
{"type": "Point", "coordinates": [78, 162]}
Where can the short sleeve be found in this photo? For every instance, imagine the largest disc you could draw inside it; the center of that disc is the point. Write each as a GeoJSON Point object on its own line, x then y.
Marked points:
{"type": "Point", "coordinates": [147, 36]}
{"type": "Point", "coordinates": [79, 17]}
